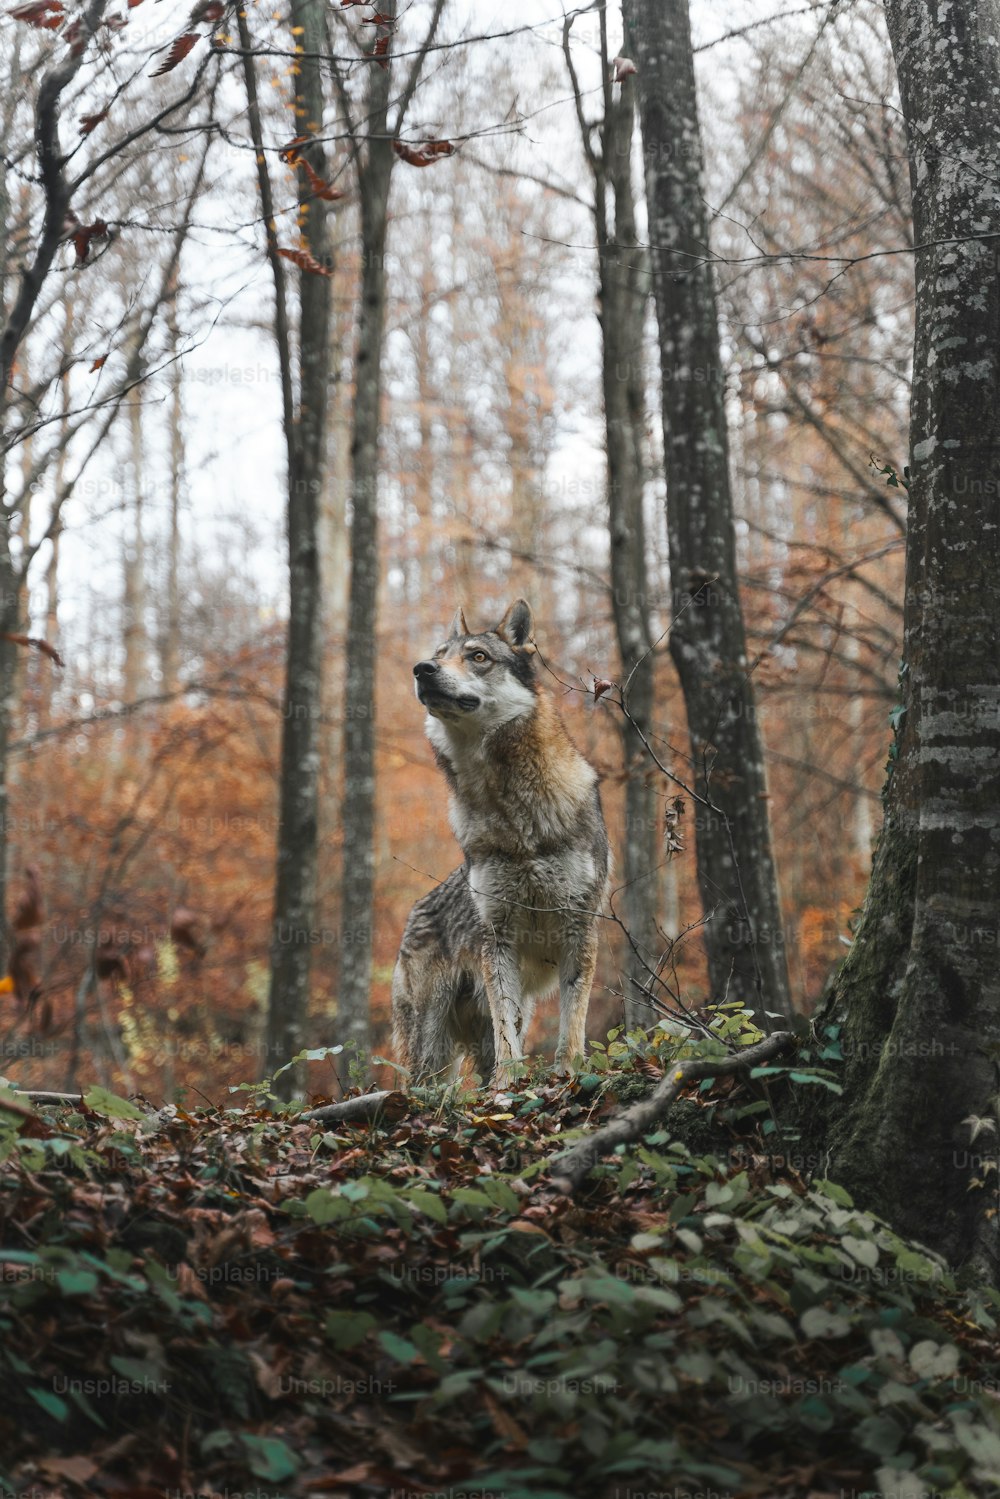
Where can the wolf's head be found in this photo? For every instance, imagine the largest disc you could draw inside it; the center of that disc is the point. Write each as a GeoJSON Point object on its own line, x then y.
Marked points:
{"type": "Point", "coordinates": [478, 681]}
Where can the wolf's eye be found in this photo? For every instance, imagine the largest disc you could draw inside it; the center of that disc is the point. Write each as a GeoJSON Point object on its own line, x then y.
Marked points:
{"type": "Point", "coordinates": [480, 656]}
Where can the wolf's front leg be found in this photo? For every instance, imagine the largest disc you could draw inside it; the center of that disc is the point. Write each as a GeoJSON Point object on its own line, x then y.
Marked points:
{"type": "Point", "coordinates": [502, 977]}
{"type": "Point", "coordinates": [576, 975]}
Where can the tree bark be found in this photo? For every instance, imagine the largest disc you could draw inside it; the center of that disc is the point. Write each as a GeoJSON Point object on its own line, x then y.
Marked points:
{"type": "Point", "coordinates": [624, 288]}
{"type": "Point", "coordinates": [918, 995]}
{"type": "Point", "coordinates": [135, 669]}
{"type": "Point", "coordinates": [374, 170]}
{"type": "Point", "coordinates": [170, 629]}
{"type": "Point", "coordinates": [357, 893]}
{"type": "Point", "coordinates": [57, 194]}
{"type": "Point", "coordinates": [293, 930]}
{"type": "Point", "coordinates": [736, 876]}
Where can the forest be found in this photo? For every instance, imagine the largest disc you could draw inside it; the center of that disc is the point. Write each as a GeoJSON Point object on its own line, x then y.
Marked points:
{"type": "Point", "coordinates": [324, 324]}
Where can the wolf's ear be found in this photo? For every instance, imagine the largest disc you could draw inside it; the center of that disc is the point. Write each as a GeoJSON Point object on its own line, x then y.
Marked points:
{"type": "Point", "coordinates": [517, 625]}
{"type": "Point", "coordinates": [458, 625]}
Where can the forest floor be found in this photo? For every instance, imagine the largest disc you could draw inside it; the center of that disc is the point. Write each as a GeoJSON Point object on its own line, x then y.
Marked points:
{"type": "Point", "coordinates": [233, 1302]}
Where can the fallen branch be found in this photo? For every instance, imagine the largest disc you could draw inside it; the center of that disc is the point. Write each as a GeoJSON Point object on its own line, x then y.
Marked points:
{"type": "Point", "coordinates": [34, 1096]}
{"type": "Point", "coordinates": [571, 1168]}
{"type": "Point", "coordinates": [366, 1109]}
{"type": "Point", "coordinates": [44, 1097]}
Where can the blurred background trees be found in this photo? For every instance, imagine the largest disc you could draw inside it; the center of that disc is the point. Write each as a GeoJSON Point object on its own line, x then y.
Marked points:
{"type": "Point", "coordinates": [146, 483]}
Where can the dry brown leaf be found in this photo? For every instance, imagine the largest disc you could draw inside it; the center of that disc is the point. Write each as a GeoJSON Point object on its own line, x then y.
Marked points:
{"type": "Point", "coordinates": [46, 15]}
{"type": "Point", "coordinates": [304, 261]}
{"type": "Point", "coordinates": [425, 155]}
{"type": "Point", "coordinates": [180, 49]}
{"type": "Point", "coordinates": [38, 643]}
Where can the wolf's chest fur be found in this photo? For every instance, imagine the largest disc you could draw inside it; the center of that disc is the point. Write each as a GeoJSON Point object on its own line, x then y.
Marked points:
{"type": "Point", "coordinates": [525, 810]}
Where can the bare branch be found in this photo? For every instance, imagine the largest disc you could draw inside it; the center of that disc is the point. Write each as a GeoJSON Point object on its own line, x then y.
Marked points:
{"type": "Point", "coordinates": [57, 194]}
{"type": "Point", "coordinates": [573, 1167]}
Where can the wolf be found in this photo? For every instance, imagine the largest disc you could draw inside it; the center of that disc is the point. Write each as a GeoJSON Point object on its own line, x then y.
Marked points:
{"type": "Point", "coordinates": [520, 915]}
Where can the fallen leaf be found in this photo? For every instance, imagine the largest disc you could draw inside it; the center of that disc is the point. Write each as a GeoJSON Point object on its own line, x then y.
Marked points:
{"type": "Point", "coordinates": [76, 1469]}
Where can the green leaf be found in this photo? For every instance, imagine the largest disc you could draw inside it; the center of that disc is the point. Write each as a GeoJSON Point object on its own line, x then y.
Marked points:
{"type": "Point", "coordinates": [817, 1322]}
{"type": "Point", "coordinates": [934, 1360]}
{"type": "Point", "coordinates": [323, 1207]}
{"type": "Point", "coordinates": [145, 1372]}
{"type": "Point", "coordinates": [400, 1349]}
{"type": "Point", "coordinates": [646, 1241]}
{"type": "Point", "coordinates": [269, 1458]}
{"type": "Point", "coordinates": [880, 1434]}
{"type": "Point", "coordinates": [537, 1304]}
{"type": "Point", "coordinates": [471, 1197]}
{"type": "Point", "coordinates": [110, 1106]}
{"type": "Point", "coordinates": [347, 1329]}
{"type": "Point", "coordinates": [863, 1251]}
{"type": "Point", "coordinates": [815, 1414]}
{"type": "Point", "coordinates": [50, 1402]}
{"type": "Point", "coordinates": [428, 1203]}
{"type": "Point", "coordinates": [835, 1192]}
{"type": "Point", "coordinates": [76, 1282]}
{"type": "Point", "coordinates": [918, 1266]}
{"type": "Point", "coordinates": [312, 1054]}
{"type": "Point", "coordinates": [457, 1383]}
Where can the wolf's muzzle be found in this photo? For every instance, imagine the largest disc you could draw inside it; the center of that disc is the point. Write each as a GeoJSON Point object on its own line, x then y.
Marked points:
{"type": "Point", "coordinates": [432, 692]}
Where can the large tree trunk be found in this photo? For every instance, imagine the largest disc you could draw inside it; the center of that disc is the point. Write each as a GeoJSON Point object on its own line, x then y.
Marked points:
{"type": "Point", "coordinates": [357, 897]}
{"type": "Point", "coordinates": [919, 995]}
{"type": "Point", "coordinates": [744, 931]}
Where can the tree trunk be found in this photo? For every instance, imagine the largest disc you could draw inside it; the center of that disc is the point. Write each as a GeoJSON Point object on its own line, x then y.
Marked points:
{"type": "Point", "coordinates": [293, 932]}
{"type": "Point", "coordinates": [8, 673]}
{"type": "Point", "coordinates": [170, 628]}
{"type": "Point", "coordinates": [918, 995]}
{"type": "Point", "coordinates": [624, 286]}
{"type": "Point", "coordinates": [743, 926]}
{"type": "Point", "coordinates": [357, 896]}
{"type": "Point", "coordinates": [133, 558]}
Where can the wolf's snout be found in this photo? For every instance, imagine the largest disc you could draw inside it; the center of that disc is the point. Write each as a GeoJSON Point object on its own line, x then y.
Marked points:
{"type": "Point", "coordinates": [424, 669]}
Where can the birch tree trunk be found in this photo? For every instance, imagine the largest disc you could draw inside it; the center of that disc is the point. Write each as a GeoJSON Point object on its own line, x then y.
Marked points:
{"type": "Point", "coordinates": [736, 877]}
{"type": "Point", "coordinates": [919, 995]}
